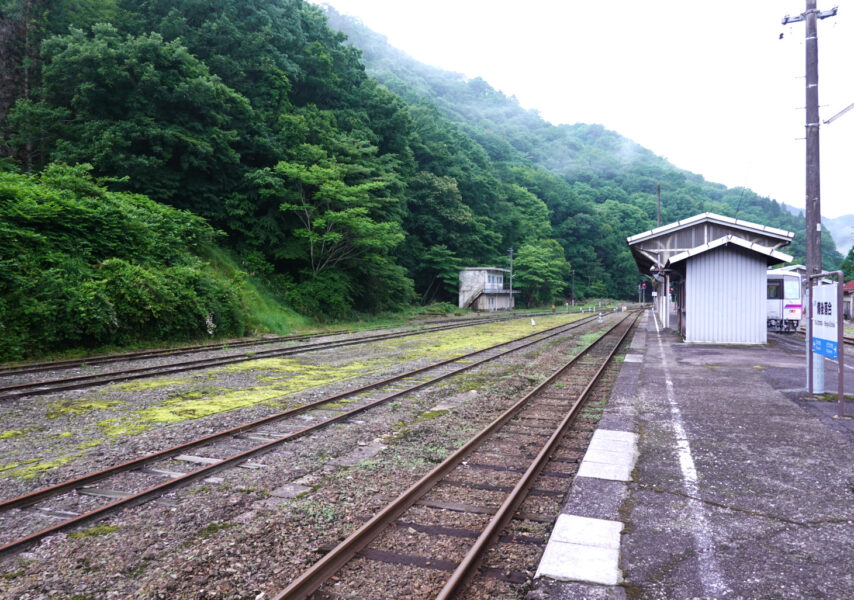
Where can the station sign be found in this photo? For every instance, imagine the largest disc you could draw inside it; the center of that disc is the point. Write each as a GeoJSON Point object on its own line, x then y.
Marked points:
{"type": "Point", "coordinates": [825, 330]}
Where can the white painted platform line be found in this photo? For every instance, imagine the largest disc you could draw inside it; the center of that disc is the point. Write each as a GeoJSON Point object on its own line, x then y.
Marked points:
{"type": "Point", "coordinates": [611, 455]}
{"type": "Point", "coordinates": [583, 549]}
{"type": "Point", "coordinates": [710, 574]}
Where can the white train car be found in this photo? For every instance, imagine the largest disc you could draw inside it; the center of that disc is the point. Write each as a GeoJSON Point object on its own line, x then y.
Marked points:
{"type": "Point", "coordinates": [785, 303]}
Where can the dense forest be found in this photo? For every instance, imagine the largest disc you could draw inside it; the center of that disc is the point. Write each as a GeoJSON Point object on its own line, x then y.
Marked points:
{"type": "Point", "coordinates": [145, 144]}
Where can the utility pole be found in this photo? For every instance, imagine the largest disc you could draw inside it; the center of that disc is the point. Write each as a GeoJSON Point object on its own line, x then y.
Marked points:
{"type": "Point", "coordinates": [573, 287]}
{"type": "Point", "coordinates": [658, 213]}
{"type": "Point", "coordinates": [510, 299]}
{"type": "Point", "coordinates": [815, 380]}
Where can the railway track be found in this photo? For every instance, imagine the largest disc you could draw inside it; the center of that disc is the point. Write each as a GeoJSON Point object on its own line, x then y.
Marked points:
{"type": "Point", "coordinates": [147, 477]}
{"type": "Point", "coordinates": [847, 339]}
{"type": "Point", "coordinates": [55, 365]}
{"type": "Point", "coordinates": [42, 387]}
{"type": "Point", "coordinates": [90, 361]}
{"type": "Point", "coordinates": [461, 485]}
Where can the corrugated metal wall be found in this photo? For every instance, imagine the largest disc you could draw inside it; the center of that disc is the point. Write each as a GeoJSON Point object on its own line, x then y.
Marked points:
{"type": "Point", "coordinates": [725, 297]}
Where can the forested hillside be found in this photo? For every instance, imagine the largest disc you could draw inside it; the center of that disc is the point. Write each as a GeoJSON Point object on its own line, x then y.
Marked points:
{"type": "Point", "coordinates": [343, 190]}
{"type": "Point", "coordinates": [601, 167]}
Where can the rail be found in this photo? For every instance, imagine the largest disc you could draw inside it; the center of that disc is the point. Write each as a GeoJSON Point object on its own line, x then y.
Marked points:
{"type": "Point", "coordinates": [206, 471]}
{"type": "Point", "coordinates": [312, 579]}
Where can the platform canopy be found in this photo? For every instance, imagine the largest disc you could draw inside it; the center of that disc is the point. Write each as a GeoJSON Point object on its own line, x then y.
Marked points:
{"type": "Point", "coordinates": [711, 269]}
{"type": "Point", "coordinates": [663, 246]}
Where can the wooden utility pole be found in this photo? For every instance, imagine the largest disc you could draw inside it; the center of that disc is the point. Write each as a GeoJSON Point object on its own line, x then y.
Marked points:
{"type": "Point", "coordinates": [815, 381]}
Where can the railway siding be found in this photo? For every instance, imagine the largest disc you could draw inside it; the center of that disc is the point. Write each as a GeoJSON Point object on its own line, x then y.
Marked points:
{"type": "Point", "coordinates": [115, 416]}
{"type": "Point", "coordinates": [414, 433]}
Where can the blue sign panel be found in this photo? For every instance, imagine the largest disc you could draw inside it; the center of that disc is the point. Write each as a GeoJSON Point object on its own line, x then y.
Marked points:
{"type": "Point", "coordinates": [826, 348]}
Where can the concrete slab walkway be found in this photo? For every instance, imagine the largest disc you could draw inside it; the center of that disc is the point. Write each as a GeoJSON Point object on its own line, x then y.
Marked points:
{"type": "Point", "coordinates": [740, 489]}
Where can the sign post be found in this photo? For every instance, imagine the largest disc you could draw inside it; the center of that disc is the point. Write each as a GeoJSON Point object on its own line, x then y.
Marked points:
{"type": "Point", "coordinates": [826, 328]}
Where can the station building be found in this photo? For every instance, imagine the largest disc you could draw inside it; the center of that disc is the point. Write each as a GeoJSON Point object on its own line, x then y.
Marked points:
{"type": "Point", "coordinates": [485, 288]}
{"type": "Point", "coordinates": [709, 276]}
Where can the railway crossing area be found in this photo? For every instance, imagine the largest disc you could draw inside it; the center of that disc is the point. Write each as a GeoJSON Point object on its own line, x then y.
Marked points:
{"type": "Point", "coordinates": [737, 487]}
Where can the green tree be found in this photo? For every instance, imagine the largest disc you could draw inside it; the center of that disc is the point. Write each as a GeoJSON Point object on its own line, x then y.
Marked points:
{"type": "Point", "coordinates": [540, 271]}
{"type": "Point", "coordinates": [443, 270]}
{"type": "Point", "coordinates": [847, 265]}
{"type": "Point", "coordinates": [138, 107]}
{"type": "Point", "coordinates": [341, 218]}
{"type": "Point", "coordinates": [335, 217]}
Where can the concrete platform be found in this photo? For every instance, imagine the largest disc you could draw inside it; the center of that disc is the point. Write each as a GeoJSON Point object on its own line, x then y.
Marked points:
{"type": "Point", "coordinates": [739, 486]}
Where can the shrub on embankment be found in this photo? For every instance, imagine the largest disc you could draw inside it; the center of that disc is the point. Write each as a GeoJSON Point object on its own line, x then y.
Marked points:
{"type": "Point", "coordinates": [82, 267]}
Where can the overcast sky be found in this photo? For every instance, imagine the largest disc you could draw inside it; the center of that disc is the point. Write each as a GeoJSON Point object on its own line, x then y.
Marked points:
{"type": "Point", "coordinates": [708, 85]}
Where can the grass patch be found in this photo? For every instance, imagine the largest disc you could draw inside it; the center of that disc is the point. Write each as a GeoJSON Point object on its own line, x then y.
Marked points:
{"type": "Point", "coordinates": [12, 574]}
{"type": "Point", "coordinates": [33, 468]}
{"type": "Point", "coordinates": [142, 385]}
{"type": "Point", "coordinates": [831, 397]}
{"type": "Point", "coordinates": [62, 408]}
{"type": "Point", "coordinates": [213, 528]}
{"type": "Point", "coordinates": [430, 414]}
{"type": "Point", "coordinates": [10, 434]}
{"type": "Point", "coordinates": [447, 344]}
{"type": "Point", "coordinates": [89, 444]}
{"type": "Point", "coordinates": [202, 403]}
{"type": "Point", "coordinates": [97, 530]}
{"type": "Point", "coordinates": [320, 515]}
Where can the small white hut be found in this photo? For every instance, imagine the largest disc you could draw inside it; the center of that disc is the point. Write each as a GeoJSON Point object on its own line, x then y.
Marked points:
{"type": "Point", "coordinates": [486, 288]}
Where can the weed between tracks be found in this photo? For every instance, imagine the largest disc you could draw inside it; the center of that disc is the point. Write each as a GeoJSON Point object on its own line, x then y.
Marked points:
{"type": "Point", "coordinates": [280, 378]}
{"type": "Point", "coordinates": [97, 530]}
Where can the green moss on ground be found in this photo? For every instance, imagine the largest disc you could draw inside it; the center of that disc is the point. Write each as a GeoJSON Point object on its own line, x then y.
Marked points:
{"type": "Point", "coordinates": [97, 530]}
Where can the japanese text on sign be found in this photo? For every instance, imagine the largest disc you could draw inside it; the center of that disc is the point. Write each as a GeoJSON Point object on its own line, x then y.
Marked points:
{"type": "Point", "coordinates": [825, 332]}
{"type": "Point", "coordinates": [824, 308]}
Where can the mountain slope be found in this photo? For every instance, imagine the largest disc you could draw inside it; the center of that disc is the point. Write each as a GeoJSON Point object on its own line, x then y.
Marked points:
{"type": "Point", "coordinates": [842, 230]}
{"type": "Point", "coordinates": [600, 165]}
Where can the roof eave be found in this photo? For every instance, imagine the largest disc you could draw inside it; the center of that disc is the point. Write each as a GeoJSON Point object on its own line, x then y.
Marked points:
{"type": "Point", "coordinates": [774, 256]}
{"type": "Point", "coordinates": [782, 234]}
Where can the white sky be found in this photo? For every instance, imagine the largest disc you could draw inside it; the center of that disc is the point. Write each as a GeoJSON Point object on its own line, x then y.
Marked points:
{"type": "Point", "coordinates": [708, 85]}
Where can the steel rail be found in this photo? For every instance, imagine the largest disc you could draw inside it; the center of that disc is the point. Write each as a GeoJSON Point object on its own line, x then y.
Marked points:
{"type": "Point", "coordinates": [468, 566]}
{"type": "Point", "coordinates": [65, 486]}
{"type": "Point", "coordinates": [847, 339]}
{"type": "Point", "coordinates": [37, 388]}
{"type": "Point", "coordinates": [37, 367]}
{"type": "Point", "coordinates": [311, 579]}
{"type": "Point", "coordinates": [208, 470]}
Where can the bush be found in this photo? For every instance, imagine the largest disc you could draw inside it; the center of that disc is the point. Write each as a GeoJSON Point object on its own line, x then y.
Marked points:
{"type": "Point", "coordinates": [327, 295]}
{"type": "Point", "coordinates": [83, 267]}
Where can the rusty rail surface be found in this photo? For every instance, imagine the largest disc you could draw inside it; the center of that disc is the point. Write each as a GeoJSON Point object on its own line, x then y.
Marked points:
{"type": "Point", "coordinates": [37, 388]}
{"type": "Point", "coordinates": [206, 471]}
{"type": "Point", "coordinates": [37, 367]}
{"type": "Point", "coordinates": [313, 578]}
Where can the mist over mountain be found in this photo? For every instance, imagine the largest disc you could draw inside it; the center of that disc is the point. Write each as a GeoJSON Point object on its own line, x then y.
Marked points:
{"type": "Point", "coordinates": [614, 168]}
{"type": "Point", "coordinates": [841, 228]}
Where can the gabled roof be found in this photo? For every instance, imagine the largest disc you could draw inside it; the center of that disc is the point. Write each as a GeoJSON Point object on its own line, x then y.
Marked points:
{"type": "Point", "coordinates": [781, 234]}
{"type": "Point", "coordinates": [848, 287]}
{"type": "Point", "coordinates": [774, 256]}
{"type": "Point", "coordinates": [486, 269]}
{"type": "Point", "coordinates": [797, 269]}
